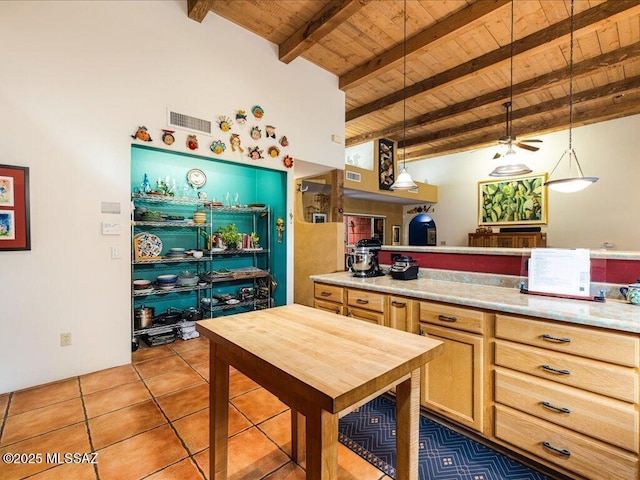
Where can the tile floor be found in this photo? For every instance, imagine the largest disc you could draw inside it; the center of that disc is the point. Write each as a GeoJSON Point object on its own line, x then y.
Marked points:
{"type": "Point", "coordinates": [150, 420]}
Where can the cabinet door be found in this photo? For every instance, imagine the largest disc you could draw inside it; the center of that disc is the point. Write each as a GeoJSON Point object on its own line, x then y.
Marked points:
{"type": "Point", "coordinates": [505, 241]}
{"type": "Point", "coordinates": [366, 315]}
{"type": "Point", "coordinates": [328, 306]}
{"type": "Point", "coordinates": [453, 383]}
{"type": "Point", "coordinates": [402, 314]}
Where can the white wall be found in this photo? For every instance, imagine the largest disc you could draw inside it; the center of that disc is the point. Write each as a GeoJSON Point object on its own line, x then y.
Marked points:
{"type": "Point", "coordinates": [586, 219]}
{"type": "Point", "coordinates": [76, 79]}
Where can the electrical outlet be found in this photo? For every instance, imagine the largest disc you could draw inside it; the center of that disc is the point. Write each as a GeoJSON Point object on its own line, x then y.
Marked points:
{"type": "Point", "coordinates": [65, 339]}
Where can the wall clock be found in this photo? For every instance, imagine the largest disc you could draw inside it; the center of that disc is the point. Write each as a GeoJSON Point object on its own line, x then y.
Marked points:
{"type": "Point", "coordinates": [196, 177]}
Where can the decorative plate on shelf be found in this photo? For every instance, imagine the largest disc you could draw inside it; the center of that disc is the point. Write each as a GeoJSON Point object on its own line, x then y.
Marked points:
{"type": "Point", "coordinates": [147, 245]}
{"type": "Point", "coordinates": [196, 177]}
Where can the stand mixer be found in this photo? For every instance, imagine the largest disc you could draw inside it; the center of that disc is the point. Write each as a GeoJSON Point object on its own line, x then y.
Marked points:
{"type": "Point", "coordinates": [363, 261]}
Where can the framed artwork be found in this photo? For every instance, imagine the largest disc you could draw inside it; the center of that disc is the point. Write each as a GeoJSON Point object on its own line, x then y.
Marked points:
{"type": "Point", "coordinates": [14, 208]}
{"type": "Point", "coordinates": [319, 218]}
{"type": "Point", "coordinates": [386, 154]}
{"type": "Point", "coordinates": [513, 201]}
{"type": "Point", "coordinates": [395, 235]}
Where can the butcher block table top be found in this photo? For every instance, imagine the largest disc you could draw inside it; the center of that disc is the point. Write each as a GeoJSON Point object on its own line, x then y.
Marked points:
{"type": "Point", "coordinates": [320, 364]}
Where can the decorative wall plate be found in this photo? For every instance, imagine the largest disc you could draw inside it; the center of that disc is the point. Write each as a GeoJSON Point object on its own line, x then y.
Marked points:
{"type": "Point", "coordinates": [196, 177]}
{"type": "Point", "coordinates": [147, 245]}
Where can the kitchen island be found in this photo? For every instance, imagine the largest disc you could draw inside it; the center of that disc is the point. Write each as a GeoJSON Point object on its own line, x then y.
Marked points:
{"type": "Point", "coordinates": [553, 379]}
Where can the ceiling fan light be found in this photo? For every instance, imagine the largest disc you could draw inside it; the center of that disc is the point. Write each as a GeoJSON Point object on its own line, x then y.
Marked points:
{"type": "Point", "coordinates": [403, 182]}
{"type": "Point", "coordinates": [510, 170]}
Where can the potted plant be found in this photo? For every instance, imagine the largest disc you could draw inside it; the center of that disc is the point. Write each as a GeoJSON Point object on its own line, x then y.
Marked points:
{"type": "Point", "coordinates": [230, 235]}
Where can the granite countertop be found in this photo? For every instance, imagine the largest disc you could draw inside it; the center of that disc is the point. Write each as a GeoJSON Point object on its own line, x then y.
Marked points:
{"type": "Point", "coordinates": [498, 293]}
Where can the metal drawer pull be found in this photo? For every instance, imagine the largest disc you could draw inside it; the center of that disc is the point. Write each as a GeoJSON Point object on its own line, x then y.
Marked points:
{"type": "Point", "coordinates": [555, 370]}
{"type": "Point", "coordinates": [399, 304]}
{"type": "Point", "coordinates": [362, 301]}
{"type": "Point", "coordinates": [560, 451]}
{"type": "Point", "coordinates": [551, 338]}
{"type": "Point", "coordinates": [446, 318]}
{"type": "Point", "coordinates": [337, 310]}
{"type": "Point", "coordinates": [555, 409]}
{"type": "Point", "coordinates": [326, 294]}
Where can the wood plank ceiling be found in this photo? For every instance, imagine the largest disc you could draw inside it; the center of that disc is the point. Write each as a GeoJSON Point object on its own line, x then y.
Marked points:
{"type": "Point", "coordinates": [459, 59]}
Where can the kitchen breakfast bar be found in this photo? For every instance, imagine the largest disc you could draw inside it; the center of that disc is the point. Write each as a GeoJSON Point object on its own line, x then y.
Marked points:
{"type": "Point", "coordinates": [322, 365]}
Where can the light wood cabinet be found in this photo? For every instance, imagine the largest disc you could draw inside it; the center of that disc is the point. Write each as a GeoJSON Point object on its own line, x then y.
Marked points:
{"type": "Point", "coordinates": [367, 306]}
{"type": "Point", "coordinates": [508, 240]}
{"type": "Point", "coordinates": [403, 314]}
{"type": "Point", "coordinates": [568, 396]}
{"type": "Point", "coordinates": [329, 298]}
{"type": "Point", "coordinates": [455, 384]}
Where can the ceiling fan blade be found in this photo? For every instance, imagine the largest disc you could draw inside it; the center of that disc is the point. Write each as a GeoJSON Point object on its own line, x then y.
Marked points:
{"type": "Point", "coordinates": [531, 140]}
{"type": "Point", "coordinates": [497, 155]}
{"type": "Point", "coordinates": [527, 147]}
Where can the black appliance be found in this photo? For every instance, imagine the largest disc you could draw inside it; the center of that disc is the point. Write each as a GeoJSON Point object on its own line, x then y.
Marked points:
{"type": "Point", "coordinates": [363, 261]}
{"type": "Point", "coordinates": [404, 268]}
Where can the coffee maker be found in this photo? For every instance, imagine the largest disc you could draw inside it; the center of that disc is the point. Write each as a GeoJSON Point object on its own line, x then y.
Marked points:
{"type": "Point", "coordinates": [363, 261]}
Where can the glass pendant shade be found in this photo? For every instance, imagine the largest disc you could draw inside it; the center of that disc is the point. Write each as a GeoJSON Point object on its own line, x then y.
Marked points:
{"type": "Point", "coordinates": [574, 182]}
{"type": "Point", "coordinates": [512, 167]}
{"type": "Point", "coordinates": [403, 182]}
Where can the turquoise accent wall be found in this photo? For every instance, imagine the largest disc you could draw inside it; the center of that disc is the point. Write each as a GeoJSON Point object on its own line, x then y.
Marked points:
{"type": "Point", "coordinates": [251, 184]}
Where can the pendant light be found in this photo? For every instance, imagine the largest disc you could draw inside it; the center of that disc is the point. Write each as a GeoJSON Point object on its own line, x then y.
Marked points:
{"type": "Point", "coordinates": [512, 167]}
{"type": "Point", "coordinates": [404, 180]}
{"type": "Point", "coordinates": [577, 182]}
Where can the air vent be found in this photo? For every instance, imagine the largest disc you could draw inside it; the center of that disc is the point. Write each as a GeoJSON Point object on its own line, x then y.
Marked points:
{"type": "Point", "coordinates": [187, 122]}
{"type": "Point", "coordinates": [354, 176]}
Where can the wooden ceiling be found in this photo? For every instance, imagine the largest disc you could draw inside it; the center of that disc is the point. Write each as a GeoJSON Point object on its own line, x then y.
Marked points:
{"type": "Point", "coordinates": [458, 58]}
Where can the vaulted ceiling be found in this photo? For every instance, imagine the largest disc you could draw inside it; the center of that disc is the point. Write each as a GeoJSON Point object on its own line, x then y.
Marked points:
{"type": "Point", "coordinates": [460, 62]}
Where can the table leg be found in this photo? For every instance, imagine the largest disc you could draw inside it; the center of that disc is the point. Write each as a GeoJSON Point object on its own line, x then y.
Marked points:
{"type": "Point", "coordinates": [218, 414]}
{"type": "Point", "coordinates": [407, 427]}
{"type": "Point", "coordinates": [298, 429]}
{"type": "Point", "coordinates": [322, 446]}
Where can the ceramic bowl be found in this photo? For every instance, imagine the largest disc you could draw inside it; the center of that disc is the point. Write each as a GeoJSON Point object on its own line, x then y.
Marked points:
{"type": "Point", "coordinates": [166, 279]}
{"type": "Point", "coordinates": [140, 284]}
{"type": "Point", "coordinates": [197, 254]}
{"type": "Point", "coordinates": [209, 302]}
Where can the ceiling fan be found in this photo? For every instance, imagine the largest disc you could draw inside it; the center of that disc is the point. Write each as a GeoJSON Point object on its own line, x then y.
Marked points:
{"type": "Point", "coordinates": [509, 140]}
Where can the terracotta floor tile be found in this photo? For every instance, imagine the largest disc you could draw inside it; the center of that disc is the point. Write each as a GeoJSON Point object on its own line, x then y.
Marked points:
{"type": "Point", "coordinates": [194, 431]}
{"type": "Point", "coordinates": [70, 439]}
{"type": "Point", "coordinates": [76, 471]}
{"type": "Point", "coordinates": [278, 429]}
{"type": "Point", "coordinates": [253, 455]}
{"type": "Point", "coordinates": [184, 345]}
{"type": "Point", "coordinates": [147, 353]}
{"type": "Point", "coordinates": [237, 421]}
{"type": "Point", "coordinates": [106, 401]}
{"type": "Point", "coordinates": [202, 459]}
{"type": "Point", "coordinates": [183, 470]}
{"type": "Point", "coordinates": [289, 471]}
{"type": "Point", "coordinates": [185, 402]}
{"type": "Point", "coordinates": [4, 401]}
{"type": "Point", "coordinates": [196, 355]}
{"type": "Point", "coordinates": [124, 423]}
{"type": "Point", "coordinates": [109, 378]}
{"type": "Point", "coordinates": [42, 420]}
{"type": "Point", "coordinates": [258, 405]}
{"type": "Point", "coordinates": [173, 381]}
{"type": "Point", "coordinates": [202, 369]}
{"type": "Point", "coordinates": [41, 396]}
{"type": "Point", "coordinates": [239, 383]}
{"type": "Point", "coordinates": [351, 466]}
{"type": "Point", "coordinates": [159, 366]}
{"type": "Point", "coordinates": [141, 455]}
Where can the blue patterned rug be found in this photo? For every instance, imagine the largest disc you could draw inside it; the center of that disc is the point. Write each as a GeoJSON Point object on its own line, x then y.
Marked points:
{"type": "Point", "coordinates": [444, 454]}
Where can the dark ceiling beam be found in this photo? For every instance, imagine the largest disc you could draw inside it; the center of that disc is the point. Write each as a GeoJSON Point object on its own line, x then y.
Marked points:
{"type": "Point", "coordinates": [322, 24]}
{"type": "Point", "coordinates": [586, 21]}
{"type": "Point", "coordinates": [438, 33]}
{"type": "Point", "coordinates": [198, 9]}
{"type": "Point", "coordinates": [585, 67]}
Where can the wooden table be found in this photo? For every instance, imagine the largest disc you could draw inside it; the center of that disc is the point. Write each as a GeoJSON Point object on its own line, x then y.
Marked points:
{"type": "Point", "coordinates": [320, 364]}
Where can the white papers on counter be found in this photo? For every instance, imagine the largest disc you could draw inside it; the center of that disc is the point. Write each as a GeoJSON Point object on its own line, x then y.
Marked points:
{"type": "Point", "coordinates": [560, 271]}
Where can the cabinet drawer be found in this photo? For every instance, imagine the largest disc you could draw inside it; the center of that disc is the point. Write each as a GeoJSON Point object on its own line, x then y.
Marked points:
{"type": "Point", "coordinates": [455, 317]}
{"type": "Point", "coordinates": [328, 292]}
{"type": "Point", "coordinates": [369, 300]}
{"type": "Point", "coordinates": [587, 457]}
{"type": "Point", "coordinates": [329, 306]}
{"type": "Point", "coordinates": [366, 315]}
{"type": "Point", "coordinates": [609, 420]}
{"type": "Point", "coordinates": [597, 344]}
{"type": "Point", "coordinates": [599, 377]}
{"type": "Point", "coordinates": [401, 314]}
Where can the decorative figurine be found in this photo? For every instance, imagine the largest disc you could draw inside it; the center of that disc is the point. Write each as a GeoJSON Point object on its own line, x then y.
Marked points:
{"type": "Point", "coordinates": [218, 147]}
{"type": "Point", "coordinates": [255, 133]}
{"type": "Point", "coordinates": [235, 143]}
{"type": "Point", "coordinates": [167, 137]}
{"type": "Point", "coordinates": [146, 185]}
{"type": "Point", "coordinates": [255, 153]}
{"type": "Point", "coordinates": [258, 112]}
{"type": "Point", "coordinates": [280, 228]}
{"type": "Point", "coordinates": [225, 123]}
{"type": "Point", "coordinates": [284, 141]}
{"type": "Point", "coordinates": [241, 117]}
{"type": "Point", "coordinates": [273, 151]}
{"type": "Point", "coordinates": [270, 131]}
{"type": "Point", "coordinates": [288, 161]}
{"type": "Point", "coordinates": [142, 134]}
{"type": "Point", "coordinates": [192, 142]}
